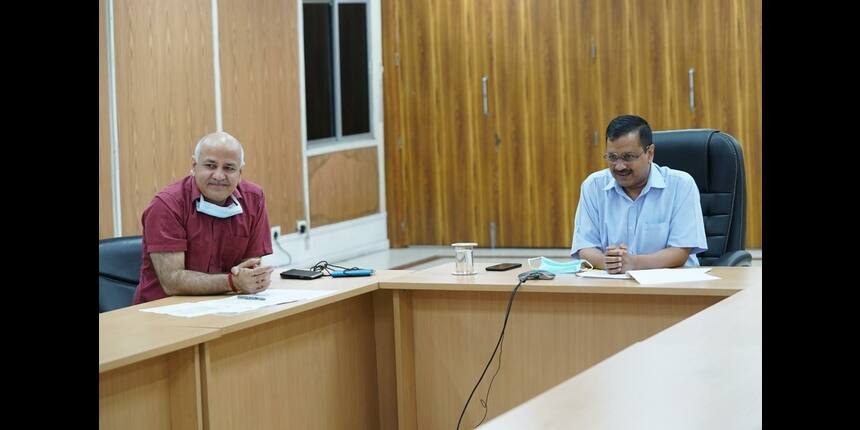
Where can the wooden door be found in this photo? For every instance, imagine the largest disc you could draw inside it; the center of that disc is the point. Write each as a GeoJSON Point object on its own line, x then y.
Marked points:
{"type": "Point", "coordinates": [542, 77]}
{"type": "Point", "coordinates": [440, 142]}
{"type": "Point", "coordinates": [725, 50]}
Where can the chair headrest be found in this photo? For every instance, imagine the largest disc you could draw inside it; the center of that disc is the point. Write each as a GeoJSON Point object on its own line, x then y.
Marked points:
{"type": "Point", "coordinates": [685, 150]}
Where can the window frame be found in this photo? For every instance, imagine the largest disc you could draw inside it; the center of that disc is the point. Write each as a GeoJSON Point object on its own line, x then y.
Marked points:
{"type": "Point", "coordinates": [339, 142]}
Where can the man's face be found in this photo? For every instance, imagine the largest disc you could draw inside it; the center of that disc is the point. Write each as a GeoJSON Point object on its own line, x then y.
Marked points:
{"type": "Point", "coordinates": [632, 173]}
{"type": "Point", "coordinates": [217, 172]}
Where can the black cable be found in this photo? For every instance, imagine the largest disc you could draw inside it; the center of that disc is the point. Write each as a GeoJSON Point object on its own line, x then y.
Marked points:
{"type": "Point", "coordinates": [323, 266]}
{"type": "Point", "coordinates": [498, 344]}
{"type": "Point", "coordinates": [486, 400]}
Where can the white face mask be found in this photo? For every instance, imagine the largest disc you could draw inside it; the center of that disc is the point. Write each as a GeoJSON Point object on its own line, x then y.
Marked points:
{"type": "Point", "coordinates": [219, 211]}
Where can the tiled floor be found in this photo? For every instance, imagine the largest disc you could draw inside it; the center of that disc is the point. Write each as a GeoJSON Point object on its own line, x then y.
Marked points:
{"type": "Point", "coordinates": [421, 257]}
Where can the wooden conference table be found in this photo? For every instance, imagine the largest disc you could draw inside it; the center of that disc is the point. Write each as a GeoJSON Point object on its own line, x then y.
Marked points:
{"type": "Point", "coordinates": [702, 373]}
{"type": "Point", "coordinates": [447, 326]}
{"type": "Point", "coordinates": [309, 364]}
{"type": "Point", "coordinates": [397, 350]}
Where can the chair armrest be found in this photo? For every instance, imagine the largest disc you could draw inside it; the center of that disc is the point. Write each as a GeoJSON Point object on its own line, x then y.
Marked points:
{"type": "Point", "coordinates": [735, 258]}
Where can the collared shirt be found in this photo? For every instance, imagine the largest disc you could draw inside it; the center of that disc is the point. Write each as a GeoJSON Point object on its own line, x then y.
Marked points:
{"type": "Point", "coordinates": [667, 213]}
{"type": "Point", "coordinates": [213, 245]}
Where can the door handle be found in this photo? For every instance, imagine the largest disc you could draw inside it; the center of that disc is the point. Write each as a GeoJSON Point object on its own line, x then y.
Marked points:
{"type": "Point", "coordinates": [486, 103]}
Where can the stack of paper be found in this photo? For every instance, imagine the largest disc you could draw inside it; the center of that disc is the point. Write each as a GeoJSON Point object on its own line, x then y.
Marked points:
{"type": "Point", "coordinates": [239, 303]}
{"type": "Point", "coordinates": [655, 276]}
{"type": "Point", "coordinates": [602, 274]}
{"type": "Point", "coordinates": [666, 276]}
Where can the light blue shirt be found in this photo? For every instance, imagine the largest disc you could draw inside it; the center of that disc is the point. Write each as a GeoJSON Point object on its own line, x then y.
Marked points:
{"type": "Point", "coordinates": [667, 213]}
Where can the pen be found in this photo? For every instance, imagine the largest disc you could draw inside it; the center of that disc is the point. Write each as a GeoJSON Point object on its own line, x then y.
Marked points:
{"type": "Point", "coordinates": [251, 297]}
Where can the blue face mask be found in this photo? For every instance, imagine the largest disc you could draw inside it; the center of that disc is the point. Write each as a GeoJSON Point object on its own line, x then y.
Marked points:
{"type": "Point", "coordinates": [219, 211]}
{"type": "Point", "coordinates": [558, 267]}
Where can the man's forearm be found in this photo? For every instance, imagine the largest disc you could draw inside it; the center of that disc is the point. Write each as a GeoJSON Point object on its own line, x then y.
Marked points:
{"type": "Point", "coordinates": [593, 256]}
{"type": "Point", "coordinates": [191, 283]}
{"type": "Point", "coordinates": [664, 258]}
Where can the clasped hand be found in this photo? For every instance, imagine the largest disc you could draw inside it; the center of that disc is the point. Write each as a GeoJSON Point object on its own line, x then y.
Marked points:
{"type": "Point", "coordinates": [618, 259]}
{"type": "Point", "coordinates": [251, 277]}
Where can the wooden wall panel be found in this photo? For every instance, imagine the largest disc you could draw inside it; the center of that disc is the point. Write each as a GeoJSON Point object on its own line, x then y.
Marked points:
{"type": "Point", "coordinates": [539, 51]}
{"type": "Point", "coordinates": [549, 94]}
{"type": "Point", "coordinates": [260, 99]}
{"type": "Point", "coordinates": [728, 87]}
{"type": "Point", "coordinates": [105, 196]}
{"type": "Point", "coordinates": [343, 185]}
{"type": "Point", "coordinates": [165, 96]}
{"type": "Point", "coordinates": [445, 149]}
{"type": "Point", "coordinates": [395, 161]}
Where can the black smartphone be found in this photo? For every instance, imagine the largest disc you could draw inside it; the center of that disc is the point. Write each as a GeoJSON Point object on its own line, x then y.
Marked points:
{"type": "Point", "coordinates": [501, 267]}
{"type": "Point", "coordinates": [300, 274]}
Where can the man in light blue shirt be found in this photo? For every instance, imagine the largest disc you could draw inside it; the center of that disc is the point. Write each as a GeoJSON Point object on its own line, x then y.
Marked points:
{"type": "Point", "coordinates": [636, 214]}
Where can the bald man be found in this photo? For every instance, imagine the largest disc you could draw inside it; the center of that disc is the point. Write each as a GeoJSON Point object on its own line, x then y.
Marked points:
{"type": "Point", "coordinates": [206, 233]}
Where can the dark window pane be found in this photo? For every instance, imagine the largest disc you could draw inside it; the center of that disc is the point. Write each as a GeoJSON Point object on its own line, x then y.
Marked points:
{"type": "Point", "coordinates": [319, 73]}
{"type": "Point", "coordinates": [353, 69]}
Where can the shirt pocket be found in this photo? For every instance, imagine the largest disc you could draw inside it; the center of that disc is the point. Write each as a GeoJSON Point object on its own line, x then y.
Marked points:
{"type": "Point", "coordinates": [654, 237]}
{"type": "Point", "coordinates": [232, 250]}
{"type": "Point", "coordinates": [235, 242]}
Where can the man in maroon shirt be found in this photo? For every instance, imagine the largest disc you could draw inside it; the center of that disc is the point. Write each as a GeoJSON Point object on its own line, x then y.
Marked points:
{"type": "Point", "coordinates": [206, 233]}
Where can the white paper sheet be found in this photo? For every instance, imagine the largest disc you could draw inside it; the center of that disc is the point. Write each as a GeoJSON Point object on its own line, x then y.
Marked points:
{"type": "Point", "coordinates": [666, 276]}
{"type": "Point", "coordinates": [602, 274]}
{"type": "Point", "coordinates": [235, 304]}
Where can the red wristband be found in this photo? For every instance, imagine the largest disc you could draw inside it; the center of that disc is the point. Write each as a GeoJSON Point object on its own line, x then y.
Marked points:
{"type": "Point", "coordinates": [230, 282]}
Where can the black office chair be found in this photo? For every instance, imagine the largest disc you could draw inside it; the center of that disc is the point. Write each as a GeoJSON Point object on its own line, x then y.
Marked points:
{"type": "Point", "coordinates": [119, 271]}
{"type": "Point", "coordinates": [715, 160]}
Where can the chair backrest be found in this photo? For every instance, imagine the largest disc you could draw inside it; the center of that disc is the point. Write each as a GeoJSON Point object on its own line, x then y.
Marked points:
{"type": "Point", "coordinates": [119, 271]}
{"type": "Point", "coordinates": [715, 160]}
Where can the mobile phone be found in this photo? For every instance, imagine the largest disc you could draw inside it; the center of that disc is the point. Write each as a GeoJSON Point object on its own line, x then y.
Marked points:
{"type": "Point", "coordinates": [501, 267]}
{"type": "Point", "coordinates": [300, 274]}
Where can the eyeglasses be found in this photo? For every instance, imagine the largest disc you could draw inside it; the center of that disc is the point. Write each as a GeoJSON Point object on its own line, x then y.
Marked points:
{"type": "Point", "coordinates": [626, 157]}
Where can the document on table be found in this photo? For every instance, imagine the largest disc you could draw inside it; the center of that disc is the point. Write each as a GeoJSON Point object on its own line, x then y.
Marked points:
{"type": "Point", "coordinates": [238, 303]}
{"type": "Point", "coordinates": [654, 276]}
{"type": "Point", "coordinates": [602, 274]}
{"type": "Point", "coordinates": [666, 276]}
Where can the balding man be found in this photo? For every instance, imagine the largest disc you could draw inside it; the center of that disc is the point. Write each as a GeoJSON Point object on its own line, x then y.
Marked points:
{"type": "Point", "coordinates": [206, 233]}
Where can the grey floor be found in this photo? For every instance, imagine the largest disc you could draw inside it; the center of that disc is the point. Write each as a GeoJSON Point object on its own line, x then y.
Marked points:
{"type": "Point", "coordinates": [421, 257]}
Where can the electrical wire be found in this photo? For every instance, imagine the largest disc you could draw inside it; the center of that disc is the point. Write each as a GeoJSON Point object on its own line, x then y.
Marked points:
{"type": "Point", "coordinates": [497, 349]}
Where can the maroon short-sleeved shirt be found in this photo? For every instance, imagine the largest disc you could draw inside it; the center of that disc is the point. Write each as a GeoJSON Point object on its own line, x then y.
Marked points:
{"type": "Point", "coordinates": [171, 223]}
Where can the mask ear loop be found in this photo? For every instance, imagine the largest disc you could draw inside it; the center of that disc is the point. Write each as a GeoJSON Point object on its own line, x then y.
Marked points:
{"type": "Point", "coordinates": [590, 267]}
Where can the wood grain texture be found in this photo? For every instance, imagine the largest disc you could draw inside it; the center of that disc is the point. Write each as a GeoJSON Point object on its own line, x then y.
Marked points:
{"type": "Point", "coordinates": [165, 95]}
{"type": "Point", "coordinates": [185, 389]}
{"type": "Point", "coordinates": [328, 352]}
{"type": "Point", "coordinates": [395, 163]}
{"type": "Point", "coordinates": [540, 52]}
{"type": "Point", "coordinates": [260, 98]}
{"type": "Point", "coordinates": [404, 351]}
{"type": "Point", "coordinates": [442, 138]}
{"type": "Point", "coordinates": [548, 339]}
{"type": "Point", "coordinates": [386, 376]}
{"type": "Point", "coordinates": [704, 372]}
{"type": "Point", "coordinates": [343, 185]}
{"type": "Point", "coordinates": [559, 71]}
{"type": "Point", "coordinates": [162, 392]}
{"type": "Point", "coordinates": [105, 186]}
{"type": "Point", "coordinates": [727, 57]}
